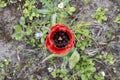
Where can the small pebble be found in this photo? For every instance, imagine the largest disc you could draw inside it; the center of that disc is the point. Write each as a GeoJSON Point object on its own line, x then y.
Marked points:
{"type": "Point", "coordinates": [38, 35]}
{"type": "Point", "coordinates": [50, 69]}
{"type": "Point", "coordinates": [103, 73]}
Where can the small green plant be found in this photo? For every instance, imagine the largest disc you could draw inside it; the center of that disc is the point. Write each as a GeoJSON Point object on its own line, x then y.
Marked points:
{"type": "Point", "coordinates": [86, 1]}
{"type": "Point", "coordinates": [4, 67]}
{"type": "Point", "coordinates": [107, 58]}
{"type": "Point", "coordinates": [98, 76]}
{"type": "Point", "coordinates": [2, 3]}
{"type": "Point", "coordinates": [1, 64]}
{"type": "Point", "coordinates": [22, 30]}
{"type": "Point", "coordinates": [30, 9]}
{"type": "Point", "coordinates": [109, 35]}
{"type": "Point", "coordinates": [62, 73]}
{"type": "Point", "coordinates": [82, 35]}
{"type": "Point", "coordinates": [45, 79]}
{"type": "Point", "coordinates": [31, 34]}
{"type": "Point", "coordinates": [99, 15]}
{"type": "Point", "coordinates": [19, 32]}
{"type": "Point", "coordinates": [85, 68]}
{"type": "Point", "coordinates": [117, 19]}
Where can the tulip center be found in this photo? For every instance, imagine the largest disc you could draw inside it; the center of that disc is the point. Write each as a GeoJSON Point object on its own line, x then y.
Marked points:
{"type": "Point", "coordinates": [61, 39]}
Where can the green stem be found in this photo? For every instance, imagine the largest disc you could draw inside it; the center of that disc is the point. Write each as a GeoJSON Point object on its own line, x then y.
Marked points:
{"type": "Point", "coordinates": [50, 56]}
{"type": "Point", "coordinates": [65, 61]}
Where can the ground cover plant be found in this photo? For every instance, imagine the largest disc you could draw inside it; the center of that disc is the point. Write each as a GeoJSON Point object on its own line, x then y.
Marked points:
{"type": "Point", "coordinates": [61, 40]}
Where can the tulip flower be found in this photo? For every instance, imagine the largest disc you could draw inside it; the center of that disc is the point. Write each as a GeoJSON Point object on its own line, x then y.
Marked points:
{"type": "Point", "coordinates": [60, 40]}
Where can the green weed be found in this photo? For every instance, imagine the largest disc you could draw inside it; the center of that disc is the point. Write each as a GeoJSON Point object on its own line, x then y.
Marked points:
{"type": "Point", "coordinates": [2, 3]}
{"type": "Point", "coordinates": [82, 35]}
{"type": "Point", "coordinates": [30, 9]}
{"type": "Point", "coordinates": [99, 15]}
{"type": "Point", "coordinates": [117, 19]}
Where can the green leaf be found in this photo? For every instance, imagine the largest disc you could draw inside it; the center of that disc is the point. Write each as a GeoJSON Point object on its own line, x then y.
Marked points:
{"type": "Point", "coordinates": [32, 40]}
{"type": "Point", "coordinates": [54, 74]}
{"type": "Point", "coordinates": [31, 17]}
{"type": "Point", "coordinates": [2, 4]}
{"type": "Point", "coordinates": [28, 31]}
{"type": "Point", "coordinates": [7, 62]}
{"type": "Point", "coordinates": [42, 39]}
{"type": "Point", "coordinates": [83, 76]}
{"type": "Point", "coordinates": [33, 14]}
{"type": "Point", "coordinates": [22, 20]}
{"type": "Point", "coordinates": [86, 1]}
{"type": "Point", "coordinates": [18, 36]}
{"type": "Point", "coordinates": [82, 47]}
{"type": "Point", "coordinates": [117, 19]}
{"type": "Point", "coordinates": [18, 28]}
{"type": "Point", "coordinates": [70, 9]}
{"type": "Point", "coordinates": [53, 19]}
{"type": "Point", "coordinates": [43, 11]}
{"type": "Point", "coordinates": [74, 59]}
{"type": "Point", "coordinates": [110, 59]}
{"type": "Point", "coordinates": [1, 64]}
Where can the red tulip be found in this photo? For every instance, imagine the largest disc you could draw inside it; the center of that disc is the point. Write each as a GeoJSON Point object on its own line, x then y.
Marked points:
{"type": "Point", "coordinates": [60, 40]}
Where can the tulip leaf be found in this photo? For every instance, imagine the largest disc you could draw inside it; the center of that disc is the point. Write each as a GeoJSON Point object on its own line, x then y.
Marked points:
{"type": "Point", "coordinates": [43, 11]}
{"type": "Point", "coordinates": [53, 19]}
{"type": "Point", "coordinates": [74, 59]}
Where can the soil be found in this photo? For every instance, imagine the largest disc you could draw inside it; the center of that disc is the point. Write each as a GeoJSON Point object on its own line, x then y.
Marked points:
{"type": "Point", "coordinates": [29, 60]}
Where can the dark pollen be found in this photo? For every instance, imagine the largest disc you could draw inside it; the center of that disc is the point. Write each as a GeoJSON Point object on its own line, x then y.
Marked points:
{"type": "Point", "coordinates": [61, 39]}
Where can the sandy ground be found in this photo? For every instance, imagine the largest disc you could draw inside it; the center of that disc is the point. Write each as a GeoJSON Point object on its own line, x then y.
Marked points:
{"type": "Point", "coordinates": [20, 54]}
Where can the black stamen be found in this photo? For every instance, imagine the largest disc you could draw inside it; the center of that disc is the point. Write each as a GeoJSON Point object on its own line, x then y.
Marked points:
{"type": "Point", "coordinates": [61, 39]}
